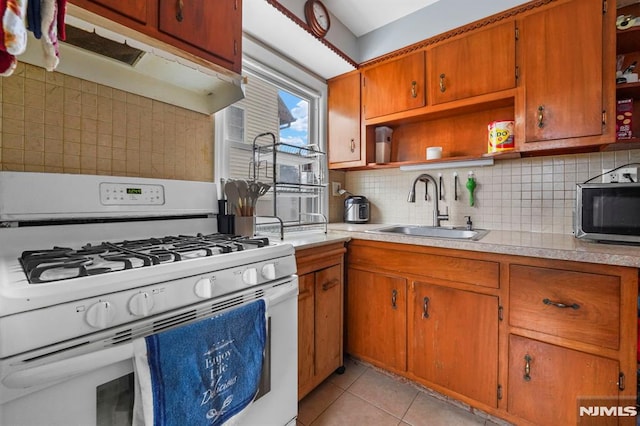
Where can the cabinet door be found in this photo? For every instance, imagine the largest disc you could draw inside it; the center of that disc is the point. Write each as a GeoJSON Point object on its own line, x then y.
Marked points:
{"type": "Point", "coordinates": [344, 120]}
{"type": "Point", "coordinates": [376, 318]}
{"type": "Point", "coordinates": [395, 86]}
{"type": "Point", "coordinates": [213, 26]}
{"type": "Point", "coordinates": [481, 62]}
{"type": "Point", "coordinates": [306, 328]}
{"type": "Point", "coordinates": [453, 340]}
{"type": "Point", "coordinates": [546, 383]}
{"type": "Point", "coordinates": [134, 9]}
{"type": "Point", "coordinates": [328, 319]}
{"type": "Point", "coordinates": [562, 72]}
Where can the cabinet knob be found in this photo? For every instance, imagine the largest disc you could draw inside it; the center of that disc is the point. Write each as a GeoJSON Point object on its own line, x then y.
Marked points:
{"type": "Point", "coordinates": [394, 299]}
{"type": "Point", "coordinates": [353, 145]}
{"type": "Point", "coordinates": [443, 88]}
{"type": "Point", "coordinates": [414, 89]}
{"type": "Point", "coordinates": [540, 116]}
{"type": "Point", "coordinates": [179, 6]}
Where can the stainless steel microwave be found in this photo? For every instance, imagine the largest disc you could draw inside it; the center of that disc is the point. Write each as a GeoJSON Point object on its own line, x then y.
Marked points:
{"type": "Point", "coordinates": [608, 212]}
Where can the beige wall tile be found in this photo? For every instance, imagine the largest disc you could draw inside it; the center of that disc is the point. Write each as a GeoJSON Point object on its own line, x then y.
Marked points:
{"type": "Point", "coordinates": [61, 124]}
{"type": "Point", "coordinates": [53, 146]}
{"type": "Point", "coordinates": [13, 141]}
{"type": "Point", "coordinates": [11, 155]}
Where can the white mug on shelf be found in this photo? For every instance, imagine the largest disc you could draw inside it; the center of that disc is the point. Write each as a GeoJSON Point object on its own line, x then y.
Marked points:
{"type": "Point", "coordinates": [434, 152]}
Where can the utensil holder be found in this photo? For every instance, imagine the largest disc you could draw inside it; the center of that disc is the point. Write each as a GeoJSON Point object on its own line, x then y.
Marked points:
{"type": "Point", "coordinates": [245, 226]}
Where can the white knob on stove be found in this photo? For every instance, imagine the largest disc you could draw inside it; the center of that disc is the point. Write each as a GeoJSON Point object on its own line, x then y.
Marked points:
{"type": "Point", "coordinates": [269, 271]}
{"type": "Point", "coordinates": [204, 288]}
{"type": "Point", "coordinates": [250, 276]}
{"type": "Point", "coordinates": [101, 314]}
{"type": "Point", "coordinates": [141, 304]}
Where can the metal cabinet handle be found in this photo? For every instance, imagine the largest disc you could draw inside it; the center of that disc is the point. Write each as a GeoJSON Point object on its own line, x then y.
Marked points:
{"type": "Point", "coordinates": [425, 307]}
{"type": "Point", "coordinates": [414, 89]}
{"type": "Point", "coordinates": [527, 367]}
{"type": "Point", "coordinates": [540, 116]}
{"type": "Point", "coordinates": [326, 286]}
{"type": "Point", "coordinates": [353, 145]}
{"type": "Point", "coordinates": [179, 15]}
{"type": "Point", "coordinates": [560, 304]}
{"type": "Point", "coordinates": [394, 299]}
{"type": "Point", "coordinates": [442, 86]}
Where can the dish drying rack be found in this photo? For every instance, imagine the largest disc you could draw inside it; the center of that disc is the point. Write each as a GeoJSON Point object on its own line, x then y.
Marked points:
{"type": "Point", "coordinates": [298, 181]}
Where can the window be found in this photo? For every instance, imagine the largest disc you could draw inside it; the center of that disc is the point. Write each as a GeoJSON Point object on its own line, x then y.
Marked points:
{"type": "Point", "coordinates": [278, 105]}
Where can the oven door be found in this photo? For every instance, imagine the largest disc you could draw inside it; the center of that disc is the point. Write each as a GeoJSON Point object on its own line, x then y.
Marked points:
{"type": "Point", "coordinates": [100, 385]}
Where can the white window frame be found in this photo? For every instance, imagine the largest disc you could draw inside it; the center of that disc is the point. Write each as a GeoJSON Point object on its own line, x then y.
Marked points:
{"type": "Point", "coordinates": [288, 76]}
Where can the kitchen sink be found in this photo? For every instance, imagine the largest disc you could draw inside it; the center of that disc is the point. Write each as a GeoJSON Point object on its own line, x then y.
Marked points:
{"type": "Point", "coordinates": [457, 233]}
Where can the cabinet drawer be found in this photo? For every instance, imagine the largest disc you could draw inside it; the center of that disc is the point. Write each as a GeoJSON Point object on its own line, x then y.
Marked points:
{"type": "Point", "coordinates": [478, 272]}
{"type": "Point", "coordinates": [574, 305]}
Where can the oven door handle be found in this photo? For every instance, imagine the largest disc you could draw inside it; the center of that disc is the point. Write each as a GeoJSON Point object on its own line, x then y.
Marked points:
{"type": "Point", "coordinates": [66, 368]}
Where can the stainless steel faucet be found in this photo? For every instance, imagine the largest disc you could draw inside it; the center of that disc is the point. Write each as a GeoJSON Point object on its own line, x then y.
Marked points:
{"type": "Point", "coordinates": [424, 177]}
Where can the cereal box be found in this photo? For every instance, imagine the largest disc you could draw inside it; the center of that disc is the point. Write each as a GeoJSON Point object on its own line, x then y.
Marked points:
{"type": "Point", "coordinates": [624, 118]}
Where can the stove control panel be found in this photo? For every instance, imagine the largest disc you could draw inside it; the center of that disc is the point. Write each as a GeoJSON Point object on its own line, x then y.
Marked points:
{"type": "Point", "coordinates": [124, 194]}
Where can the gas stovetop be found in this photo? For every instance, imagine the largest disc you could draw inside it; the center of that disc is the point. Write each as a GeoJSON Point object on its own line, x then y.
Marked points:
{"type": "Point", "coordinates": [61, 263]}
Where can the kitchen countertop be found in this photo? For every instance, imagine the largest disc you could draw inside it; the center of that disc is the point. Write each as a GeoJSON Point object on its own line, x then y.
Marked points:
{"type": "Point", "coordinates": [304, 240]}
{"type": "Point", "coordinates": [533, 244]}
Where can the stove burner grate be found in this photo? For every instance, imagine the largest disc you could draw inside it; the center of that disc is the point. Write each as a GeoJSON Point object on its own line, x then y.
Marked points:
{"type": "Point", "coordinates": [61, 263]}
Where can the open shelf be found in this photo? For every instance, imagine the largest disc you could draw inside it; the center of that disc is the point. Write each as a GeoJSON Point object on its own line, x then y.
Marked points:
{"type": "Point", "coordinates": [628, 90]}
{"type": "Point", "coordinates": [628, 40]}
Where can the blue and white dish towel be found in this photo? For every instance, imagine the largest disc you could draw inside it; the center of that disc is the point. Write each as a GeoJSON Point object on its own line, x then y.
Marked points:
{"type": "Point", "coordinates": [205, 373]}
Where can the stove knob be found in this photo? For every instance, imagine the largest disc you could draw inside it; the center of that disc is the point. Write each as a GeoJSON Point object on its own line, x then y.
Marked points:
{"type": "Point", "coordinates": [269, 271]}
{"type": "Point", "coordinates": [204, 288]}
{"type": "Point", "coordinates": [101, 314]}
{"type": "Point", "coordinates": [250, 276]}
{"type": "Point", "coordinates": [141, 304]}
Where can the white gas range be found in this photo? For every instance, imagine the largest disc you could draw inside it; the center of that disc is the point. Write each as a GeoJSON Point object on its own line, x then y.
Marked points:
{"type": "Point", "coordinates": [89, 263]}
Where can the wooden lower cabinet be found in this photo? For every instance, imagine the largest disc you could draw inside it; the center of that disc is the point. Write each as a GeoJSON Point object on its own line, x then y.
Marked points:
{"type": "Point", "coordinates": [320, 314]}
{"type": "Point", "coordinates": [547, 383]}
{"type": "Point", "coordinates": [377, 318]}
{"type": "Point", "coordinates": [453, 340]}
{"type": "Point", "coordinates": [527, 340]}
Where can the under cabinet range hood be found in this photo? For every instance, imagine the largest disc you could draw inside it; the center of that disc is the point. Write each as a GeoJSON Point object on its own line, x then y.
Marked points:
{"type": "Point", "coordinates": [115, 56]}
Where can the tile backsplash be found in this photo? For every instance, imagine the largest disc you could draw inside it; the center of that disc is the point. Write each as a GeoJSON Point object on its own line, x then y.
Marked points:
{"type": "Point", "coordinates": [51, 122]}
{"type": "Point", "coordinates": [529, 194]}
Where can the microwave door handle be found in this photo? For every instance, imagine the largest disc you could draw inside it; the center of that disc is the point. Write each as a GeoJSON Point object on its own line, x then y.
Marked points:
{"type": "Point", "coordinates": [66, 368]}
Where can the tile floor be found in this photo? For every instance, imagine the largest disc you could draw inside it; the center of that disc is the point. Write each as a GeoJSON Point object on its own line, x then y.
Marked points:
{"type": "Point", "coordinates": [368, 397]}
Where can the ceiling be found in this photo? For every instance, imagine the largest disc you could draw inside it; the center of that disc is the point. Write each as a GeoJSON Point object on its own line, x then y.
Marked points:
{"type": "Point", "coordinates": [362, 17]}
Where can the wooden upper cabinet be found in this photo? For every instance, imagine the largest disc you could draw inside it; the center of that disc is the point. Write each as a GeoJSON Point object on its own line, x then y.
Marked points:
{"type": "Point", "coordinates": [134, 9]}
{"type": "Point", "coordinates": [213, 26]}
{"type": "Point", "coordinates": [344, 122]}
{"type": "Point", "coordinates": [474, 64]}
{"type": "Point", "coordinates": [394, 86]}
{"type": "Point", "coordinates": [197, 29]}
{"type": "Point", "coordinates": [562, 72]}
